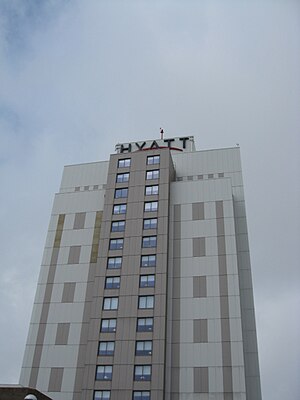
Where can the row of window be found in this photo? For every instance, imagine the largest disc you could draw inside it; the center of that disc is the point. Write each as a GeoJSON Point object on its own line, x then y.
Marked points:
{"type": "Point", "coordinates": [124, 176]}
{"type": "Point", "coordinates": [146, 261]}
{"type": "Point", "coordinates": [126, 162]}
{"type": "Point", "coordinates": [122, 193]}
{"type": "Point", "coordinates": [147, 242]}
{"type": "Point", "coordinates": [109, 325]}
{"type": "Point", "coordinates": [142, 348]}
{"type": "Point", "coordinates": [144, 302]}
{"type": "Point", "coordinates": [137, 395]}
{"type": "Point", "coordinates": [148, 207]}
{"type": "Point", "coordinates": [148, 223]}
{"type": "Point", "coordinates": [113, 282]}
{"type": "Point", "coordinates": [141, 372]}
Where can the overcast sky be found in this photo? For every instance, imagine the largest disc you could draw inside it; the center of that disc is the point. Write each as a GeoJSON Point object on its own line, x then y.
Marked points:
{"type": "Point", "coordinates": [77, 77]}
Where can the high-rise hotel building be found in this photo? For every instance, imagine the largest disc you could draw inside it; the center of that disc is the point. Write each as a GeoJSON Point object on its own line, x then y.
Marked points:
{"type": "Point", "coordinates": [145, 289]}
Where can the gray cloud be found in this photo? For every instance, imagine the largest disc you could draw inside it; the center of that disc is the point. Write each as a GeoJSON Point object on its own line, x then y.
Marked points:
{"type": "Point", "coordinates": [78, 77]}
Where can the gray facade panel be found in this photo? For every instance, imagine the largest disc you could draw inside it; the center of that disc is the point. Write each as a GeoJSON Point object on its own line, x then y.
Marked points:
{"type": "Point", "coordinates": [199, 286]}
{"type": "Point", "coordinates": [68, 292]}
{"type": "Point", "coordinates": [62, 333]}
{"type": "Point", "coordinates": [201, 380]}
{"type": "Point", "coordinates": [74, 255]}
{"type": "Point", "coordinates": [199, 248]}
{"type": "Point", "coordinates": [198, 211]}
{"type": "Point", "coordinates": [200, 330]}
{"type": "Point", "coordinates": [79, 220]}
{"type": "Point", "coordinates": [55, 381]}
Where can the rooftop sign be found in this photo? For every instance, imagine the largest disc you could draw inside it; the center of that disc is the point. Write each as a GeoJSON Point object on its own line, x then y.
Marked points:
{"type": "Point", "coordinates": [185, 143]}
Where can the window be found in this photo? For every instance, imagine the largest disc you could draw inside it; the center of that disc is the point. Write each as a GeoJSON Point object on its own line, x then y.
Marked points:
{"type": "Point", "coordinates": [146, 302]}
{"type": "Point", "coordinates": [121, 193]}
{"type": "Point", "coordinates": [104, 372]}
{"type": "Point", "coordinates": [123, 177]}
{"type": "Point", "coordinates": [151, 190]}
{"type": "Point", "coordinates": [148, 261]}
{"type": "Point", "coordinates": [150, 223]}
{"type": "Point", "coordinates": [116, 244]}
{"type": "Point", "coordinates": [106, 349]}
{"type": "Point", "coordinates": [108, 325]}
{"type": "Point", "coordinates": [153, 174]}
{"type": "Point", "coordinates": [103, 395]}
{"type": "Point", "coordinates": [142, 372]}
{"type": "Point", "coordinates": [147, 281]}
{"type": "Point", "coordinates": [118, 226]}
{"type": "Point", "coordinates": [112, 282]}
{"type": "Point", "coordinates": [153, 160]}
{"type": "Point", "coordinates": [144, 395]}
{"type": "Point", "coordinates": [143, 348]}
{"type": "Point", "coordinates": [119, 209]}
{"type": "Point", "coordinates": [149, 241]}
{"type": "Point", "coordinates": [124, 163]}
{"type": "Point", "coordinates": [114, 262]}
{"type": "Point", "coordinates": [110, 303]}
{"type": "Point", "coordinates": [150, 206]}
{"type": "Point", "coordinates": [144, 325]}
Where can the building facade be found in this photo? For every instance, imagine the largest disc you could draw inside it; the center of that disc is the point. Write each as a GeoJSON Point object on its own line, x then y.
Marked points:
{"type": "Point", "coordinates": [145, 289]}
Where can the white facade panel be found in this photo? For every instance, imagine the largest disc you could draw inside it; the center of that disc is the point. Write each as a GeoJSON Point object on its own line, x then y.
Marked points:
{"type": "Point", "coordinates": [198, 308]}
{"type": "Point", "coordinates": [50, 334]}
{"type": "Point", "coordinates": [67, 203]}
{"type": "Point", "coordinates": [59, 356]}
{"type": "Point", "coordinates": [234, 306]}
{"type": "Point", "coordinates": [61, 395]}
{"type": "Point", "coordinates": [190, 229]}
{"type": "Point", "coordinates": [186, 383]}
{"type": "Point", "coordinates": [74, 333]}
{"type": "Point", "coordinates": [201, 191]}
{"type": "Point", "coordinates": [50, 239]}
{"type": "Point", "coordinates": [84, 174]}
{"type": "Point", "coordinates": [77, 237]}
{"type": "Point", "coordinates": [214, 330]}
{"type": "Point", "coordinates": [66, 312]}
{"type": "Point", "coordinates": [207, 161]}
{"type": "Point", "coordinates": [68, 380]}
{"type": "Point", "coordinates": [36, 313]}
{"type": "Point", "coordinates": [53, 222]}
{"type": "Point", "coordinates": [213, 288]}
{"type": "Point", "coordinates": [194, 266]}
{"type": "Point", "coordinates": [211, 246]}
{"type": "Point", "coordinates": [78, 273]}
{"type": "Point", "coordinates": [210, 210]}
{"type": "Point", "coordinates": [43, 379]}
{"type": "Point", "coordinates": [47, 256]}
{"type": "Point", "coordinates": [25, 375]}
{"type": "Point", "coordinates": [232, 267]}
{"type": "Point", "coordinates": [215, 377]}
{"type": "Point", "coordinates": [32, 334]}
{"type": "Point", "coordinates": [238, 380]}
{"type": "Point", "coordinates": [28, 356]}
{"type": "Point", "coordinates": [237, 355]}
{"type": "Point", "coordinates": [230, 242]}
{"type": "Point", "coordinates": [40, 293]}
{"type": "Point", "coordinates": [236, 330]}
{"type": "Point", "coordinates": [201, 355]}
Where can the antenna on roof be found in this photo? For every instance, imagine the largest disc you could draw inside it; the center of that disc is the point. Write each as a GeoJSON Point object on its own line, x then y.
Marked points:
{"type": "Point", "coordinates": [161, 133]}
